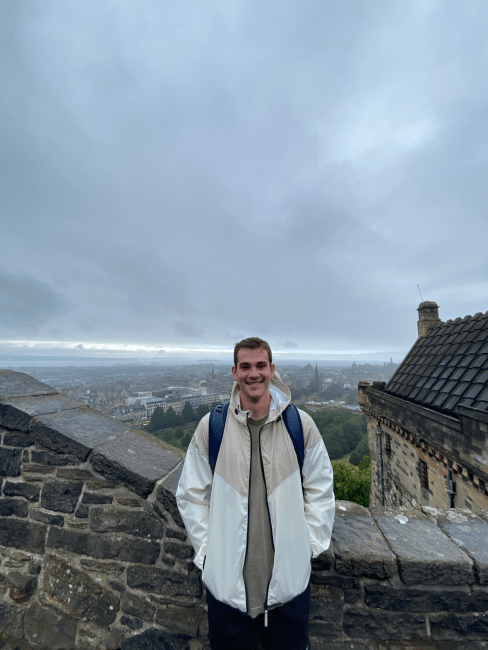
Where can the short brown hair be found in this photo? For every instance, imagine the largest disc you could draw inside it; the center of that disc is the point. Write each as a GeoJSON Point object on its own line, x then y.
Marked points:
{"type": "Point", "coordinates": [254, 343]}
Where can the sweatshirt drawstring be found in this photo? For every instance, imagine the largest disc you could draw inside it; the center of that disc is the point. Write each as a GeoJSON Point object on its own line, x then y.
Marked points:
{"type": "Point", "coordinates": [265, 618]}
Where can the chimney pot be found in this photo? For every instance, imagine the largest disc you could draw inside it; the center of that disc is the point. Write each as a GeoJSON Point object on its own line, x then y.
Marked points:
{"type": "Point", "coordinates": [428, 316]}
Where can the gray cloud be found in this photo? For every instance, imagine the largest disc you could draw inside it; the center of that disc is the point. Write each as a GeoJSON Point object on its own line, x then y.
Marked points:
{"type": "Point", "coordinates": [285, 170]}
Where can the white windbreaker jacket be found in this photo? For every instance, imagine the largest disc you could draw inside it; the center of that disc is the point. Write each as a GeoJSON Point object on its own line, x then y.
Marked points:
{"type": "Point", "coordinates": [301, 522]}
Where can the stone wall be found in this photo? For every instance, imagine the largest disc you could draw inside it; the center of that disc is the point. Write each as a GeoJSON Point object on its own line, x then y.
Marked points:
{"type": "Point", "coordinates": [94, 554]}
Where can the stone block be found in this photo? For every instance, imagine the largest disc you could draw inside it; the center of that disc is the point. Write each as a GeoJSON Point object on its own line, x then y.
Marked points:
{"type": "Point", "coordinates": [26, 490]}
{"type": "Point", "coordinates": [93, 637]}
{"type": "Point", "coordinates": [47, 518]}
{"type": "Point", "coordinates": [45, 628]}
{"type": "Point", "coordinates": [361, 623]}
{"type": "Point", "coordinates": [425, 555]}
{"type": "Point", "coordinates": [168, 501]}
{"type": "Point", "coordinates": [60, 496]}
{"type": "Point", "coordinates": [110, 568]}
{"type": "Point", "coordinates": [334, 580]}
{"type": "Point", "coordinates": [22, 586]}
{"type": "Point", "coordinates": [11, 620]}
{"type": "Point", "coordinates": [458, 627]}
{"type": "Point", "coordinates": [180, 620]}
{"type": "Point", "coordinates": [352, 525]}
{"type": "Point", "coordinates": [34, 468]}
{"type": "Point", "coordinates": [131, 623]}
{"type": "Point", "coordinates": [18, 440]}
{"type": "Point", "coordinates": [82, 512]}
{"type": "Point", "coordinates": [18, 412]}
{"type": "Point", "coordinates": [13, 507]}
{"type": "Point", "coordinates": [98, 484]}
{"type": "Point", "coordinates": [99, 499]}
{"type": "Point", "coordinates": [117, 586]}
{"type": "Point", "coordinates": [23, 534]}
{"type": "Point", "coordinates": [176, 533]}
{"type": "Point", "coordinates": [163, 581]}
{"type": "Point", "coordinates": [135, 459]}
{"type": "Point", "coordinates": [75, 432]}
{"type": "Point", "coordinates": [76, 594]}
{"type": "Point", "coordinates": [130, 502]}
{"type": "Point", "coordinates": [419, 600]}
{"type": "Point", "coordinates": [154, 639]}
{"type": "Point", "coordinates": [326, 611]}
{"type": "Point", "coordinates": [121, 548]}
{"type": "Point", "coordinates": [139, 523]}
{"type": "Point", "coordinates": [10, 460]}
{"type": "Point", "coordinates": [137, 606]}
{"type": "Point", "coordinates": [179, 550]}
{"type": "Point", "coordinates": [46, 458]}
{"type": "Point", "coordinates": [18, 384]}
{"type": "Point", "coordinates": [468, 532]}
{"type": "Point", "coordinates": [74, 474]}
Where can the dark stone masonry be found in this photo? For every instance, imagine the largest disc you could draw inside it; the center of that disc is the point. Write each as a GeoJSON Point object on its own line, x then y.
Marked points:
{"type": "Point", "coordinates": [94, 554]}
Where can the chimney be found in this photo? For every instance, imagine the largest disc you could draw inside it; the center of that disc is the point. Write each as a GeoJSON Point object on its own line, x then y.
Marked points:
{"type": "Point", "coordinates": [428, 316]}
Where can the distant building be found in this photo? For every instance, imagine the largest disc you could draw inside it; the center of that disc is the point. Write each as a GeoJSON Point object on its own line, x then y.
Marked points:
{"type": "Point", "coordinates": [428, 427]}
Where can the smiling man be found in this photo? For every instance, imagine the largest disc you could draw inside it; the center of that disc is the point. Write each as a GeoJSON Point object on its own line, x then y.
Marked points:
{"type": "Point", "coordinates": [271, 508]}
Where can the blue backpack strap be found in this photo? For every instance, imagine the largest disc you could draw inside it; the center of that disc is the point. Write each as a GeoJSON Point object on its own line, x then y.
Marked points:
{"type": "Point", "coordinates": [293, 424]}
{"type": "Point", "coordinates": [218, 416]}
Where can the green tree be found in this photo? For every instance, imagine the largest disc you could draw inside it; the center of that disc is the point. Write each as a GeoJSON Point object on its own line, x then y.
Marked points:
{"type": "Point", "coordinates": [158, 419]}
{"type": "Point", "coordinates": [202, 410]}
{"type": "Point", "coordinates": [360, 452]}
{"type": "Point", "coordinates": [352, 483]}
{"type": "Point", "coordinates": [173, 420]}
{"type": "Point", "coordinates": [187, 413]}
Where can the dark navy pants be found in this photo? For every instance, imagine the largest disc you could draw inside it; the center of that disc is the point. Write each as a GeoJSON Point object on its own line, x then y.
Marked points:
{"type": "Point", "coordinates": [231, 629]}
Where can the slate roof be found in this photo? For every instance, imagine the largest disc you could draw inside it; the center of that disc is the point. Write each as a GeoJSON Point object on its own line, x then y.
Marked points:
{"type": "Point", "coordinates": [447, 368]}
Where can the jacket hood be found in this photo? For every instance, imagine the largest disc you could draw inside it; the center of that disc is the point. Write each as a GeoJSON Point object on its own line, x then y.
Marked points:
{"type": "Point", "coordinates": [280, 398]}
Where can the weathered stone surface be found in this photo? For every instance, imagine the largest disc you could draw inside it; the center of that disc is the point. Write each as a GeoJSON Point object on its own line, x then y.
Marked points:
{"type": "Point", "coordinates": [326, 613]}
{"type": "Point", "coordinates": [26, 490]}
{"type": "Point", "coordinates": [424, 554]}
{"type": "Point", "coordinates": [168, 501]}
{"type": "Point", "coordinates": [367, 623]}
{"type": "Point", "coordinates": [93, 637]}
{"type": "Point", "coordinates": [136, 606]}
{"type": "Point", "coordinates": [469, 532]}
{"type": "Point", "coordinates": [135, 459]}
{"type": "Point", "coordinates": [37, 469]}
{"type": "Point", "coordinates": [454, 627]}
{"type": "Point", "coordinates": [45, 628]}
{"type": "Point", "coordinates": [118, 586]}
{"type": "Point", "coordinates": [18, 384]}
{"type": "Point", "coordinates": [111, 520]}
{"type": "Point", "coordinates": [13, 507]}
{"type": "Point", "coordinates": [46, 458]}
{"type": "Point", "coordinates": [129, 502]}
{"type": "Point", "coordinates": [334, 580]}
{"type": "Point", "coordinates": [98, 484]}
{"type": "Point", "coordinates": [11, 620]}
{"type": "Point", "coordinates": [419, 600]}
{"type": "Point", "coordinates": [154, 639]}
{"type": "Point", "coordinates": [20, 533]}
{"type": "Point", "coordinates": [18, 412]}
{"type": "Point", "coordinates": [76, 594]}
{"type": "Point", "coordinates": [353, 525]}
{"type": "Point", "coordinates": [180, 620]}
{"type": "Point", "coordinates": [110, 568]}
{"type": "Point", "coordinates": [89, 498]}
{"type": "Point", "coordinates": [176, 533]}
{"type": "Point", "coordinates": [47, 518]}
{"type": "Point", "coordinates": [178, 549]}
{"type": "Point", "coordinates": [74, 474]}
{"type": "Point", "coordinates": [75, 432]}
{"type": "Point", "coordinates": [18, 440]}
{"type": "Point", "coordinates": [10, 461]}
{"type": "Point", "coordinates": [60, 496]}
{"type": "Point", "coordinates": [22, 586]}
{"type": "Point", "coordinates": [122, 548]}
{"type": "Point", "coordinates": [163, 581]}
{"type": "Point", "coordinates": [132, 623]}
{"type": "Point", "coordinates": [82, 512]}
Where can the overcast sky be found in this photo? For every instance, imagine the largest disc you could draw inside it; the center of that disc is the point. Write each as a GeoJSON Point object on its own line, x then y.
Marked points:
{"type": "Point", "coordinates": [181, 175]}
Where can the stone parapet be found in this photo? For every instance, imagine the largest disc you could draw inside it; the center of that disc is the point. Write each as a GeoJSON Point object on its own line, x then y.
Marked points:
{"type": "Point", "coordinates": [94, 554]}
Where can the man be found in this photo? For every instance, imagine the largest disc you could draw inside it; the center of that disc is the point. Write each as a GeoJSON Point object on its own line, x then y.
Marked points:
{"type": "Point", "coordinates": [256, 537]}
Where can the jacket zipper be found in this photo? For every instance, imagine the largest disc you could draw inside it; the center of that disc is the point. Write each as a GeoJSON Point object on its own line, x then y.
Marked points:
{"type": "Point", "coordinates": [248, 506]}
{"type": "Point", "coordinates": [270, 526]}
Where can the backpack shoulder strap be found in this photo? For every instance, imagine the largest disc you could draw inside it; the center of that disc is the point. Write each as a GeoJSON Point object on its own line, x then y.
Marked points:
{"type": "Point", "coordinates": [293, 424]}
{"type": "Point", "coordinates": [218, 416]}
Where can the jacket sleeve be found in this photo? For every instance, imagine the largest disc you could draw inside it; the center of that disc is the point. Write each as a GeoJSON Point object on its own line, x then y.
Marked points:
{"type": "Point", "coordinates": [318, 487]}
{"type": "Point", "coordinates": [194, 485]}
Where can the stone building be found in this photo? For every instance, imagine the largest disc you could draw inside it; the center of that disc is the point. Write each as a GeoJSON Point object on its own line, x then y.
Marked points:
{"type": "Point", "coordinates": [428, 427]}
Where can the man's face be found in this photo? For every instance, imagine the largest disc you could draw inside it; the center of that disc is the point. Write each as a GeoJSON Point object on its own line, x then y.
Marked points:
{"type": "Point", "coordinates": [253, 373]}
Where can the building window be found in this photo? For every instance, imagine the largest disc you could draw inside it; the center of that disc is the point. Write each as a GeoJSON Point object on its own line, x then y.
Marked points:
{"type": "Point", "coordinates": [387, 444]}
{"type": "Point", "coordinates": [424, 478]}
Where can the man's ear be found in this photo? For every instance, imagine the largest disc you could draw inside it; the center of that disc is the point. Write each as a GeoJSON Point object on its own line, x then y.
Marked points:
{"type": "Point", "coordinates": [273, 369]}
{"type": "Point", "coordinates": [234, 372]}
